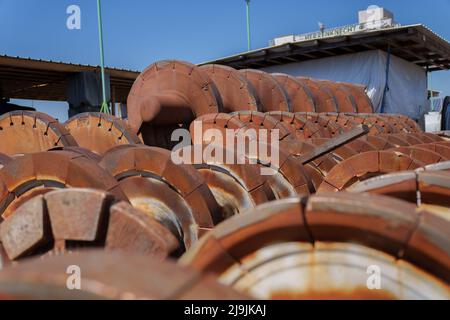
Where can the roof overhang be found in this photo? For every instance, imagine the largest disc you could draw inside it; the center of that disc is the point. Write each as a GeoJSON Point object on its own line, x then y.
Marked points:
{"type": "Point", "coordinates": [415, 43]}
{"type": "Point", "coordinates": [22, 78]}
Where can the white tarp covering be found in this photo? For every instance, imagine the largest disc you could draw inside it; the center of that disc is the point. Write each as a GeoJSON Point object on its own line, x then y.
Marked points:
{"type": "Point", "coordinates": [407, 85]}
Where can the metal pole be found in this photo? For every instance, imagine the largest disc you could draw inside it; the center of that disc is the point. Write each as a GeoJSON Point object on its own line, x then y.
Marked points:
{"type": "Point", "coordinates": [386, 86]}
{"type": "Point", "coordinates": [104, 108]}
{"type": "Point", "coordinates": [248, 25]}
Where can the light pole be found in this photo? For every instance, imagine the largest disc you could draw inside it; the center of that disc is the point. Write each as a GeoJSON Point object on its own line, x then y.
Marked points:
{"type": "Point", "coordinates": [248, 24]}
{"type": "Point", "coordinates": [104, 108]}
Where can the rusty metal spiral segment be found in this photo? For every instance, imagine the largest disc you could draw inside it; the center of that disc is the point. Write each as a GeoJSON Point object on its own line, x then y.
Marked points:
{"type": "Point", "coordinates": [388, 225]}
{"type": "Point", "coordinates": [303, 128]}
{"type": "Point", "coordinates": [300, 96]}
{"type": "Point", "coordinates": [363, 102]}
{"type": "Point", "coordinates": [236, 92]}
{"type": "Point", "coordinates": [380, 124]}
{"type": "Point", "coordinates": [414, 126]}
{"type": "Point", "coordinates": [323, 98]}
{"type": "Point", "coordinates": [119, 276]}
{"type": "Point", "coordinates": [343, 121]}
{"type": "Point", "coordinates": [70, 219]}
{"type": "Point", "coordinates": [236, 187]}
{"type": "Point", "coordinates": [339, 154]}
{"type": "Point", "coordinates": [271, 94]}
{"type": "Point", "coordinates": [442, 150]}
{"type": "Point", "coordinates": [258, 120]}
{"type": "Point", "coordinates": [28, 131]}
{"type": "Point", "coordinates": [169, 93]}
{"type": "Point", "coordinates": [326, 122]}
{"type": "Point", "coordinates": [153, 165]}
{"type": "Point", "coordinates": [100, 132]}
{"type": "Point", "coordinates": [38, 173]}
{"type": "Point", "coordinates": [82, 151]}
{"type": "Point", "coordinates": [366, 165]}
{"type": "Point", "coordinates": [423, 155]}
{"type": "Point", "coordinates": [216, 121]}
{"type": "Point", "coordinates": [342, 96]}
{"type": "Point", "coordinates": [378, 142]}
{"type": "Point", "coordinates": [289, 177]}
{"type": "Point", "coordinates": [399, 123]}
{"type": "Point", "coordinates": [317, 169]}
{"type": "Point", "coordinates": [418, 187]}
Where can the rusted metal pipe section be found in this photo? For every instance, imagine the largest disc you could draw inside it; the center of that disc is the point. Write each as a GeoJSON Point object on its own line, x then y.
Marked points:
{"type": "Point", "coordinates": [110, 275]}
{"type": "Point", "coordinates": [321, 247]}
{"type": "Point", "coordinates": [100, 132]}
{"type": "Point", "coordinates": [28, 131]}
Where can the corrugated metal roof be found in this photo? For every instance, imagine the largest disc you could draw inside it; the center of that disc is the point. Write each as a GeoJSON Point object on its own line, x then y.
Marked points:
{"type": "Point", "coordinates": [66, 63]}
{"type": "Point", "coordinates": [38, 79]}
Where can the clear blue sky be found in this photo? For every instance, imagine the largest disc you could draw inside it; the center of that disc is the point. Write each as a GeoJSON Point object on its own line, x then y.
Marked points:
{"type": "Point", "coordinates": [139, 32]}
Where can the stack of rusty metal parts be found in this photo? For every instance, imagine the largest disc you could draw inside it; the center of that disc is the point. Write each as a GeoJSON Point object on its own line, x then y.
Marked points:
{"type": "Point", "coordinates": [354, 195]}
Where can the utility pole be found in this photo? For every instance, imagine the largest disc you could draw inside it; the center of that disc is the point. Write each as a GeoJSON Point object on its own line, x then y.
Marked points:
{"type": "Point", "coordinates": [104, 108]}
{"type": "Point", "coordinates": [248, 24]}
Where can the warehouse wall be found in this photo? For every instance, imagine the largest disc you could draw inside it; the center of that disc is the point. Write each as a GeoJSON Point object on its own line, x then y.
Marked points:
{"type": "Point", "coordinates": [407, 82]}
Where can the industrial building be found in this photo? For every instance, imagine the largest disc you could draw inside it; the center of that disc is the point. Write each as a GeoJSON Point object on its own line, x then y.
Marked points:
{"type": "Point", "coordinates": [391, 60]}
